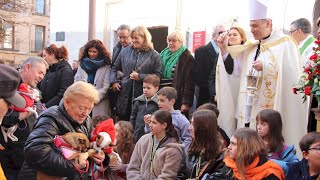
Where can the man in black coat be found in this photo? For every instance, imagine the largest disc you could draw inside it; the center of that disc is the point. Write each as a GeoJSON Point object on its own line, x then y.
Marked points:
{"type": "Point", "coordinates": [123, 33]}
{"type": "Point", "coordinates": [206, 58]}
{"type": "Point", "coordinates": [32, 71]}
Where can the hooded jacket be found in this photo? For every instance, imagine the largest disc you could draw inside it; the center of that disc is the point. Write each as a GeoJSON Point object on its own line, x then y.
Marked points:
{"type": "Point", "coordinates": [141, 108]}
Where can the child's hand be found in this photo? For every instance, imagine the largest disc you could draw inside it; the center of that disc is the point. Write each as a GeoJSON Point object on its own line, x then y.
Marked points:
{"type": "Point", "coordinates": [98, 158]}
{"type": "Point", "coordinates": [147, 119]}
{"type": "Point", "coordinates": [115, 166]}
{"type": "Point", "coordinates": [115, 161]}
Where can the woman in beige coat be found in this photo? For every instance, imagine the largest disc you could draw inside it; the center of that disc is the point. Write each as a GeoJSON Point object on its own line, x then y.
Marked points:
{"type": "Point", "coordinates": [95, 69]}
{"type": "Point", "coordinates": [157, 155]}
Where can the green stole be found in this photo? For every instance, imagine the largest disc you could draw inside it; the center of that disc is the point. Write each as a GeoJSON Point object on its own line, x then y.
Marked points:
{"type": "Point", "coordinates": [306, 44]}
{"type": "Point", "coordinates": [169, 60]}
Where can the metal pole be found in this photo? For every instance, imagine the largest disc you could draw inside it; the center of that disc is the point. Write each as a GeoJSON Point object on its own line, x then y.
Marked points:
{"type": "Point", "coordinates": [92, 20]}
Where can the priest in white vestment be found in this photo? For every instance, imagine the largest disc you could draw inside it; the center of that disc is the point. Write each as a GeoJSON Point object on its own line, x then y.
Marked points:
{"type": "Point", "coordinates": [275, 57]}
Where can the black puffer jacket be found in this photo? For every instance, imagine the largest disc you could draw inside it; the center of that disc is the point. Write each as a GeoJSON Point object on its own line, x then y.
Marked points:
{"type": "Point", "coordinates": [58, 78]}
{"type": "Point", "coordinates": [41, 154]}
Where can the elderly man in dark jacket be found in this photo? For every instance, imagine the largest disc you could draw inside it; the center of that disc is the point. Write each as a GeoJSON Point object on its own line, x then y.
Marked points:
{"type": "Point", "coordinates": [123, 33]}
{"type": "Point", "coordinates": [206, 58]}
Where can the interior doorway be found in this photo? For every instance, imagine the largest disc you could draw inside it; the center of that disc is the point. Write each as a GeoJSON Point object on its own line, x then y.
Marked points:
{"type": "Point", "coordinates": [159, 37]}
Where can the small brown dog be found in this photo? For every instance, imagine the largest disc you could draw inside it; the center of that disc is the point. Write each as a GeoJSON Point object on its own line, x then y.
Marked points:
{"type": "Point", "coordinates": [77, 140]}
{"type": "Point", "coordinates": [74, 146]}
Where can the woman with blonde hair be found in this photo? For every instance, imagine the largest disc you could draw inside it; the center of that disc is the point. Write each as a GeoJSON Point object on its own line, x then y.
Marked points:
{"type": "Point", "coordinates": [224, 84]}
{"type": "Point", "coordinates": [246, 158]}
{"type": "Point", "coordinates": [59, 75]}
{"type": "Point", "coordinates": [42, 159]}
{"type": "Point", "coordinates": [177, 63]}
{"type": "Point", "coordinates": [135, 61]}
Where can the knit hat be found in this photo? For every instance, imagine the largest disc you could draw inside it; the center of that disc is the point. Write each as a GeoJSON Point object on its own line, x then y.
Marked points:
{"type": "Point", "coordinates": [9, 82]}
{"type": "Point", "coordinates": [108, 131]}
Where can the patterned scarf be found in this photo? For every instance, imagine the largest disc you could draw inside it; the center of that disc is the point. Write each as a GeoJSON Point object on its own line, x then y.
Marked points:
{"type": "Point", "coordinates": [169, 60]}
{"type": "Point", "coordinates": [91, 66]}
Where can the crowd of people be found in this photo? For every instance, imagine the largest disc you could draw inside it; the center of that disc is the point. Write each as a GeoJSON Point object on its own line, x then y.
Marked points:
{"type": "Point", "coordinates": [167, 115]}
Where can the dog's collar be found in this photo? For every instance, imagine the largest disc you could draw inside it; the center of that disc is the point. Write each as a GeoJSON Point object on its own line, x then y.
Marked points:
{"type": "Point", "coordinates": [59, 142]}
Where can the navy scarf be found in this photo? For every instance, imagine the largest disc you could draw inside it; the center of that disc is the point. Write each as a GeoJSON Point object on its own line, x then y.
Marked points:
{"type": "Point", "coordinates": [91, 66]}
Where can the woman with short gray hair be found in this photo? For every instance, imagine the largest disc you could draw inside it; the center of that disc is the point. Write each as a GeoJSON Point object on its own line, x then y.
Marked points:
{"type": "Point", "coordinates": [42, 159]}
{"type": "Point", "coordinates": [177, 63]}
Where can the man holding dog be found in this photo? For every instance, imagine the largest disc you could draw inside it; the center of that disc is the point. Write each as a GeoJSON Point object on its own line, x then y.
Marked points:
{"type": "Point", "coordinates": [32, 71]}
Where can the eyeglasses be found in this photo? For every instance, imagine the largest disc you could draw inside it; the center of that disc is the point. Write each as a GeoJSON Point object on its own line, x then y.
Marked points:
{"type": "Point", "coordinates": [172, 40]}
{"type": "Point", "coordinates": [123, 37]}
{"type": "Point", "coordinates": [317, 149]}
{"type": "Point", "coordinates": [221, 32]}
{"type": "Point", "coordinates": [293, 31]}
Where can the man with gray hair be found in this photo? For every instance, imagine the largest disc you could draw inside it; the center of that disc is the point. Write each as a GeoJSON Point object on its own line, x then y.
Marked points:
{"type": "Point", "coordinates": [205, 61]}
{"type": "Point", "coordinates": [270, 68]}
{"type": "Point", "coordinates": [124, 38]}
{"type": "Point", "coordinates": [123, 33]}
{"type": "Point", "coordinates": [32, 72]}
{"type": "Point", "coordinates": [300, 30]}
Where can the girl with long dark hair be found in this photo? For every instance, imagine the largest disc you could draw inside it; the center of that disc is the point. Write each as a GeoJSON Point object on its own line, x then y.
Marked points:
{"type": "Point", "coordinates": [269, 128]}
{"type": "Point", "coordinates": [205, 154]}
{"type": "Point", "coordinates": [157, 155]}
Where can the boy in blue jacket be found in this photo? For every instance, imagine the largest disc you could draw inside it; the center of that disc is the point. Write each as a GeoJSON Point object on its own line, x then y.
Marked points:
{"type": "Point", "coordinates": [309, 167]}
{"type": "Point", "coordinates": [166, 98]}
